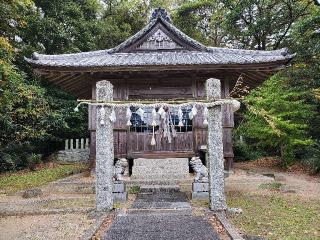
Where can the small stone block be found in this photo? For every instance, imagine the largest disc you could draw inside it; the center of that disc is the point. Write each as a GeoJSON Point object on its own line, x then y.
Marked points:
{"type": "Point", "coordinates": [119, 187]}
{"type": "Point", "coordinates": [120, 197]}
{"type": "Point", "coordinates": [200, 187]}
{"type": "Point", "coordinates": [31, 193]}
{"type": "Point", "coordinates": [200, 196]}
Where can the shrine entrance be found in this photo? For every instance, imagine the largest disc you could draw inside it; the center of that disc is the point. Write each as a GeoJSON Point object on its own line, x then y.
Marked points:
{"type": "Point", "coordinates": [145, 140]}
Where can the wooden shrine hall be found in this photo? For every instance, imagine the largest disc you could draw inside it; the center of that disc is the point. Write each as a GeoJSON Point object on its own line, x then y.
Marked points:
{"type": "Point", "coordinates": [160, 62]}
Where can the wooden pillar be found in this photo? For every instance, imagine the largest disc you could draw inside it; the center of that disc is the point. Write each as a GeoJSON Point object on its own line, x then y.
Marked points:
{"type": "Point", "coordinates": [92, 129]}
{"type": "Point", "coordinates": [228, 125]}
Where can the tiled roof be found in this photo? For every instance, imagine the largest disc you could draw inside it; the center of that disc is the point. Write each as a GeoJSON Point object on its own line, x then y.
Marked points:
{"type": "Point", "coordinates": [116, 57]}
{"type": "Point", "coordinates": [215, 56]}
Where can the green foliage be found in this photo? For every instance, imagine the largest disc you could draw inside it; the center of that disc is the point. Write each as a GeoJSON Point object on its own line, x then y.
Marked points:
{"type": "Point", "coordinates": [30, 179]}
{"type": "Point", "coordinates": [6, 162]}
{"type": "Point", "coordinates": [271, 186]}
{"type": "Point", "coordinates": [33, 160]}
{"type": "Point", "coordinates": [305, 71]}
{"type": "Point", "coordinates": [277, 118]}
{"type": "Point", "coordinates": [247, 24]}
{"type": "Point", "coordinates": [23, 115]}
{"type": "Point", "coordinates": [55, 26]}
{"type": "Point", "coordinates": [202, 21]}
{"type": "Point", "coordinates": [134, 190]}
{"type": "Point", "coordinates": [34, 118]}
{"type": "Point", "coordinates": [262, 24]}
{"type": "Point", "coordinates": [275, 216]}
{"type": "Point", "coordinates": [245, 151]}
{"type": "Point", "coordinates": [312, 157]}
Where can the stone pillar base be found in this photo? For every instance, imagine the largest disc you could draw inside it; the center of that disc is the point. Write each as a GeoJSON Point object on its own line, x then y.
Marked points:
{"type": "Point", "coordinates": [200, 191]}
{"type": "Point", "coordinates": [119, 193]}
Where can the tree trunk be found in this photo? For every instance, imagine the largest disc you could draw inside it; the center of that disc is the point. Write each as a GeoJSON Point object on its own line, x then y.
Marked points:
{"type": "Point", "coordinates": [282, 147]}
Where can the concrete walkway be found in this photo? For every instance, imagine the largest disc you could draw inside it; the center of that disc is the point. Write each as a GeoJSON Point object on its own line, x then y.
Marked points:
{"type": "Point", "coordinates": [160, 215]}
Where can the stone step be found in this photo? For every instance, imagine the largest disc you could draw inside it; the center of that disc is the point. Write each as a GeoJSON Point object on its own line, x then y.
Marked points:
{"type": "Point", "coordinates": [163, 167]}
{"type": "Point", "coordinates": [166, 169]}
{"type": "Point", "coordinates": [159, 176]}
{"type": "Point", "coordinates": [161, 162]}
{"type": "Point", "coordinates": [172, 169]}
{"type": "Point", "coordinates": [159, 212]}
{"type": "Point", "coordinates": [159, 188]}
{"type": "Point", "coordinates": [141, 182]}
{"type": "Point", "coordinates": [71, 188]}
{"type": "Point", "coordinates": [159, 171]}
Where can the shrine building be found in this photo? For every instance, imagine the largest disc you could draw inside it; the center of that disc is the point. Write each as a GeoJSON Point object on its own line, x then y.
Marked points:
{"type": "Point", "coordinates": [160, 62]}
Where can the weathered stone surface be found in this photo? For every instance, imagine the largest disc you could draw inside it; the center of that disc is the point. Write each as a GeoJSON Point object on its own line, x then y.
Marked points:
{"type": "Point", "coordinates": [200, 170]}
{"type": "Point", "coordinates": [120, 197]}
{"type": "Point", "coordinates": [158, 169]}
{"type": "Point", "coordinates": [104, 149]}
{"type": "Point", "coordinates": [159, 216]}
{"type": "Point", "coordinates": [31, 193]}
{"type": "Point", "coordinates": [162, 200]}
{"type": "Point", "coordinates": [142, 182]}
{"type": "Point", "coordinates": [159, 188]}
{"type": "Point", "coordinates": [200, 195]}
{"type": "Point", "coordinates": [234, 210]}
{"type": "Point", "coordinates": [248, 237]}
{"type": "Point", "coordinates": [160, 227]}
{"type": "Point", "coordinates": [200, 187]}
{"type": "Point", "coordinates": [73, 155]}
{"type": "Point", "coordinates": [119, 187]}
{"type": "Point", "coordinates": [215, 148]}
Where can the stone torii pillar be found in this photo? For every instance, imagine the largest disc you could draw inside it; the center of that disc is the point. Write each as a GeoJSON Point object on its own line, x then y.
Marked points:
{"type": "Point", "coordinates": [104, 149]}
{"type": "Point", "coordinates": [215, 148]}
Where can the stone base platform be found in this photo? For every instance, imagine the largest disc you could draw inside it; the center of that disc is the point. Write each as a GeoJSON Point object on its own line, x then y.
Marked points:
{"type": "Point", "coordinates": [200, 191]}
{"type": "Point", "coordinates": [160, 169]}
{"type": "Point", "coordinates": [137, 182]}
{"type": "Point", "coordinates": [119, 193]}
{"type": "Point", "coordinates": [159, 188]}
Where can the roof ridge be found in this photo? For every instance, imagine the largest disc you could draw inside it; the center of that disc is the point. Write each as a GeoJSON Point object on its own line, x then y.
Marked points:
{"type": "Point", "coordinates": [160, 12]}
{"type": "Point", "coordinates": [282, 51]}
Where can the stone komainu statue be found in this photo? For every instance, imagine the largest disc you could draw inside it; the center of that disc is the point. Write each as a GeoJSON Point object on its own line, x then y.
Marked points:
{"type": "Point", "coordinates": [200, 170]}
{"type": "Point", "coordinates": [119, 168]}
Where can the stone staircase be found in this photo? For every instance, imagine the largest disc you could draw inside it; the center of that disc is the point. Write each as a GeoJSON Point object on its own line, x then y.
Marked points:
{"type": "Point", "coordinates": [160, 169]}
{"type": "Point", "coordinates": [158, 172]}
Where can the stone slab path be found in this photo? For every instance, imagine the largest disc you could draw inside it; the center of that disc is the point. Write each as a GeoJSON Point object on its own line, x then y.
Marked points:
{"type": "Point", "coordinates": [160, 215]}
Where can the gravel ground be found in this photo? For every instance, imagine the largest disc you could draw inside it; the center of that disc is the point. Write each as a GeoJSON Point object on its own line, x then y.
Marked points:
{"type": "Point", "coordinates": [76, 193]}
{"type": "Point", "coordinates": [295, 184]}
{"type": "Point", "coordinates": [57, 226]}
{"type": "Point", "coordinates": [62, 212]}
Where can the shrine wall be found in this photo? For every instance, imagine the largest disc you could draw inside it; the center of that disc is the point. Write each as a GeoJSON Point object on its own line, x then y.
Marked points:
{"type": "Point", "coordinates": [164, 88]}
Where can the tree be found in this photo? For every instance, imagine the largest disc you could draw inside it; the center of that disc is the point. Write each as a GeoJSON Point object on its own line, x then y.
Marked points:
{"type": "Point", "coordinates": [62, 26]}
{"type": "Point", "coordinates": [202, 20]}
{"type": "Point", "coordinates": [250, 24]}
{"type": "Point", "coordinates": [32, 117]}
{"type": "Point", "coordinates": [305, 75]}
{"type": "Point", "coordinates": [277, 118]}
{"type": "Point", "coordinates": [262, 24]}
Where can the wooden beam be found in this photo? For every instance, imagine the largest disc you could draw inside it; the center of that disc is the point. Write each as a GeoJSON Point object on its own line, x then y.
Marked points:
{"type": "Point", "coordinates": [65, 79]}
{"type": "Point", "coordinates": [58, 76]}
{"type": "Point", "coordinates": [86, 90]}
{"type": "Point", "coordinates": [72, 81]}
{"type": "Point", "coordinates": [78, 87]}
